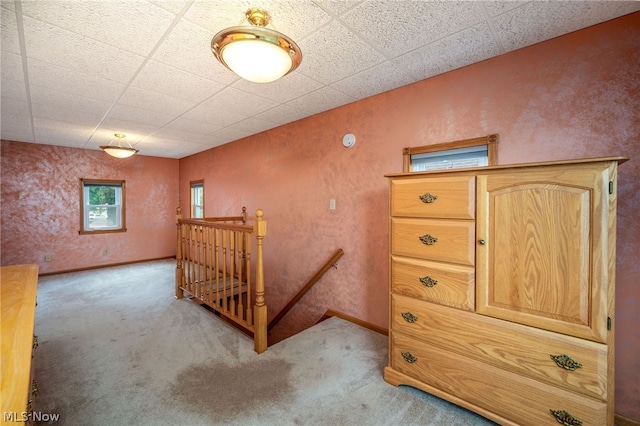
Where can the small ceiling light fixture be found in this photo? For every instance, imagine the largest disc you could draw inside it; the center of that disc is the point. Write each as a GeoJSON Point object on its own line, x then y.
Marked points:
{"type": "Point", "coordinates": [254, 52]}
{"type": "Point", "coordinates": [119, 151]}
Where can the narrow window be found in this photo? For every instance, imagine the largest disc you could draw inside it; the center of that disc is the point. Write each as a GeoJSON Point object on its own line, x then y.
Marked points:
{"type": "Point", "coordinates": [197, 199]}
{"type": "Point", "coordinates": [102, 206]}
{"type": "Point", "coordinates": [476, 152]}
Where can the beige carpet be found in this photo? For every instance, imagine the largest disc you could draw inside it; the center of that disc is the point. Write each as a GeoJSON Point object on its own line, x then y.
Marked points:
{"type": "Point", "coordinates": [116, 348]}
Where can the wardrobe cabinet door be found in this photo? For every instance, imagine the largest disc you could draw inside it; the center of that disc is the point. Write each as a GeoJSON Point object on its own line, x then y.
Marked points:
{"type": "Point", "coordinates": [541, 248]}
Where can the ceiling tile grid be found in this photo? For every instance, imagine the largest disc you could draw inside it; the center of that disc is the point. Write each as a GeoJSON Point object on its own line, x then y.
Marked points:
{"type": "Point", "coordinates": [75, 72]}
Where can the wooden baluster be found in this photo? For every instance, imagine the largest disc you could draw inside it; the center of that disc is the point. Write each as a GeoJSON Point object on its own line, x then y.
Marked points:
{"type": "Point", "coordinates": [191, 255]}
{"type": "Point", "coordinates": [216, 268]}
{"type": "Point", "coordinates": [199, 260]}
{"type": "Point", "coordinates": [187, 256]}
{"type": "Point", "coordinates": [225, 237]}
{"type": "Point", "coordinates": [179, 265]}
{"type": "Point", "coordinates": [208, 265]}
{"type": "Point", "coordinates": [247, 268]}
{"type": "Point", "coordinates": [232, 271]}
{"type": "Point", "coordinates": [260, 311]}
{"type": "Point", "coordinates": [240, 255]}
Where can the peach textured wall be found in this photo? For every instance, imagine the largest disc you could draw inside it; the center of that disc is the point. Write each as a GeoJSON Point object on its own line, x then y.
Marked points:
{"type": "Point", "coordinates": [571, 97]}
{"type": "Point", "coordinates": [41, 205]}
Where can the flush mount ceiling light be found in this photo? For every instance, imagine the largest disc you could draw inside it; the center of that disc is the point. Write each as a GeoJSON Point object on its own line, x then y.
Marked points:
{"type": "Point", "coordinates": [254, 52]}
{"type": "Point", "coordinates": [119, 151]}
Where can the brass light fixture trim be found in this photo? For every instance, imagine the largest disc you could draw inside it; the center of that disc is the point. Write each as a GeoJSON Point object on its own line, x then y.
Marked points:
{"type": "Point", "coordinates": [233, 47]}
{"type": "Point", "coordinates": [118, 150]}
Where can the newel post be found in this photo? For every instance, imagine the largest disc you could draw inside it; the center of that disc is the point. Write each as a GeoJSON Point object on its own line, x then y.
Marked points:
{"type": "Point", "coordinates": [179, 266]}
{"type": "Point", "coordinates": [260, 308]}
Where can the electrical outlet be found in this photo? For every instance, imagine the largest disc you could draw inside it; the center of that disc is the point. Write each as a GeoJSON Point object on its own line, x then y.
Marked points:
{"type": "Point", "coordinates": [105, 252]}
{"type": "Point", "coordinates": [332, 204]}
{"type": "Point", "coordinates": [47, 258]}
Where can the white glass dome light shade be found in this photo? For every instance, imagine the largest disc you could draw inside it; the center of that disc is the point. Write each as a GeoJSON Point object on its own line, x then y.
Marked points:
{"type": "Point", "coordinates": [119, 151]}
{"type": "Point", "coordinates": [257, 54]}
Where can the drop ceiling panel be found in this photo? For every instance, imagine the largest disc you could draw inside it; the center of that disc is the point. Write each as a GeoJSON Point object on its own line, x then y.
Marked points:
{"type": "Point", "coordinates": [323, 99]}
{"type": "Point", "coordinates": [145, 67]}
{"type": "Point", "coordinates": [414, 24]}
{"type": "Point", "coordinates": [9, 30]}
{"type": "Point", "coordinates": [196, 127]}
{"type": "Point", "coordinates": [13, 90]}
{"type": "Point", "coordinates": [188, 48]}
{"type": "Point", "coordinates": [71, 50]}
{"type": "Point", "coordinates": [98, 18]}
{"type": "Point", "coordinates": [56, 105]}
{"type": "Point", "coordinates": [154, 101]}
{"type": "Point", "coordinates": [530, 24]}
{"type": "Point", "coordinates": [171, 81]}
{"type": "Point", "coordinates": [238, 102]}
{"type": "Point", "coordinates": [144, 116]}
{"type": "Point", "coordinates": [378, 79]}
{"type": "Point", "coordinates": [16, 121]}
{"type": "Point", "coordinates": [330, 59]}
{"type": "Point", "coordinates": [12, 67]}
{"type": "Point", "coordinates": [463, 48]}
{"type": "Point", "coordinates": [61, 133]}
{"type": "Point", "coordinates": [252, 125]}
{"type": "Point", "coordinates": [215, 115]}
{"type": "Point", "coordinates": [283, 114]}
{"type": "Point", "coordinates": [289, 87]}
{"type": "Point", "coordinates": [73, 82]}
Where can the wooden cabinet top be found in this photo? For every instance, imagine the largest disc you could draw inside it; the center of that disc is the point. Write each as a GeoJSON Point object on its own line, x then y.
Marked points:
{"type": "Point", "coordinates": [486, 169]}
{"type": "Point", "coordinates": [18, 286]}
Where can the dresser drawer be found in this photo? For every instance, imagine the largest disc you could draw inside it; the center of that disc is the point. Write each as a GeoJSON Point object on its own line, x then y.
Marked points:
{"type": "Point", "coordinates": [509, 346]}
{"type": "Point", "coordinates": [434, 239]}
{"type": "Point", "coordinates": [517, 398]}
{"type": "Point", "coordinates": [442, 197]}
{"type": "Point", "coordinates": [442, 283]}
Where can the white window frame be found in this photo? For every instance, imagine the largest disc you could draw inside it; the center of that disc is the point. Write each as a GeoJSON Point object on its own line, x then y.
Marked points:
{"type": "Point", "coordinates": [96, 218]}
{"type": "Point", "coordinates": [197, 209]}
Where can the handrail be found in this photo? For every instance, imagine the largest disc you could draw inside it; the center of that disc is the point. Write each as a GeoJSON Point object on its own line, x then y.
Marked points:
{"type": "Point", "coordinates": [331, 262]}
{"type": "Point", "coordinates": [218, 224]}
{"type": "Point", "coordinates": [214, 266]}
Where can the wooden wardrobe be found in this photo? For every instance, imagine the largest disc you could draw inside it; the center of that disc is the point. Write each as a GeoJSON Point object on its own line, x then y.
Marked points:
{"type": "Point", "coordinates": [502, 285]}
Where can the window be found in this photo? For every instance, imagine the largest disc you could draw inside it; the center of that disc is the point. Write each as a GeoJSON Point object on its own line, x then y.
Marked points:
{"type": "Point", "coordinates": [102, 206]}
{"type": "Point", "coordinates": [473, 156]}
{"type": "Point", "coordinates": [197, 199]}
{"type": "Point", "coordinates": [474, 152]}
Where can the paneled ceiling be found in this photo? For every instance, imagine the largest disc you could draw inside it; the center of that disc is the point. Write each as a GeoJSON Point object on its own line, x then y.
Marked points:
{"type": "Point", "coordinates": [74, 72]}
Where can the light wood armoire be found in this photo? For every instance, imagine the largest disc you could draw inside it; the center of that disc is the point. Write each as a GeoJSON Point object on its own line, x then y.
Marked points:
{"type": "Point", "coordinates": [502, 284]}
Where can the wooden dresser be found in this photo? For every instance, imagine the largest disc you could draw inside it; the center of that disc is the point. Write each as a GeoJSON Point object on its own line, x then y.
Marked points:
{"type": "Point", "coordinates": [502, 284]}
{"type": "Point", "coordinates": [18, 301]}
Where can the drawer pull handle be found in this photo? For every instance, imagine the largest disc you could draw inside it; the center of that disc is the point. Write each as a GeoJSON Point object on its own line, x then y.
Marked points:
{"type": "Point", "coordinates": [482, 242]}
{"type": "Point", "coordinates": [565, 418]}
{"type": "Point", "coordinates": [428, 239]}
{"type": "Point", "coordinates": [428, 281]}
{"type": "Point", "coordinates": [35, 341]}
{"type": "Point", "coordinates": [409, 317]}
{"type": "Point", "coordinates": [428, 198]}
{"type": "Point", "coordinates": [566, 362]}
{"type": "Point", "coordinates": [408, 356]}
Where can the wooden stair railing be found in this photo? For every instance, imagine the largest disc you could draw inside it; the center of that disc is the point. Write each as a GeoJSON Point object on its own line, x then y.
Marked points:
{"type": "Point", "coordinates": [331, 262]}
{"type": "Point", "coordinates": [214, 268]}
